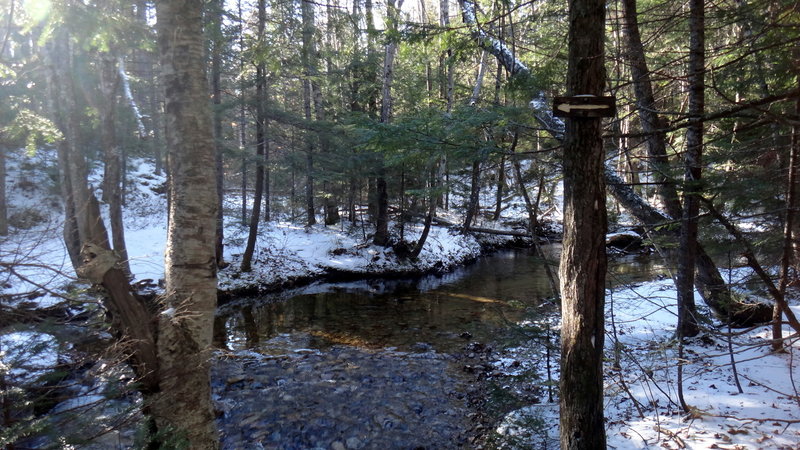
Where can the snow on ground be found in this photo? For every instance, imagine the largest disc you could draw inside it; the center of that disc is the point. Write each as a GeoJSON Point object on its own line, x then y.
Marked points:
{"type": "Point", "coordinates": [641, 400]}
{"type": "Point", "coordinates": [287, 251]}
{"type": "Point", "coordinates": [641, 412]}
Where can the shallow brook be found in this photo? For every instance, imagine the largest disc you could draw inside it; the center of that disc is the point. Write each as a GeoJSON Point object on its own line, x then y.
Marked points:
{"type": "Point", "coordinates": [380, 363]}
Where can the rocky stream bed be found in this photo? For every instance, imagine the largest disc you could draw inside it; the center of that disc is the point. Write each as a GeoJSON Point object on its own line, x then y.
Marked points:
{"type": "Point", "coordinates": [348, 398]}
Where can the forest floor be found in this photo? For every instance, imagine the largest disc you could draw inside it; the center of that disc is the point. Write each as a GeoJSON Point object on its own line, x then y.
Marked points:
{"type": "Point", "coordinates": [742, 395]}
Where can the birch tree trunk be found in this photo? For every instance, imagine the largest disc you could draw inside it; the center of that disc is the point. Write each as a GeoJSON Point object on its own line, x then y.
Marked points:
{"type": "Point", "coordinates": [186, 325]}
{"type": "Point", "coordinates": [583, 259]}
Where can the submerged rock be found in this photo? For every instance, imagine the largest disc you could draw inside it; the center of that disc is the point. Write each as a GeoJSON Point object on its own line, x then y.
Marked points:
{"type": "Point", "coordinates": [346, 398]}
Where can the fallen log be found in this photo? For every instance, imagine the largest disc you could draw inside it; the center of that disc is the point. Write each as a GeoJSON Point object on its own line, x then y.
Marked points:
{"type": "Point", "coordinates": [515, 233]}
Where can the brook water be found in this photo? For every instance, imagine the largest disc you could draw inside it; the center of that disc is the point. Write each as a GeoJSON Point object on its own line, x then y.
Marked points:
{"type": "Point", "coordinates": [437, 311]}
{"type": "Point", "coordinates": [389, 363]}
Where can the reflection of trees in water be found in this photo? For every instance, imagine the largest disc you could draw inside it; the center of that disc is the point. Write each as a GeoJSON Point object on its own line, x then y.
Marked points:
{"type": "Point", "coordinates": [481, 299]}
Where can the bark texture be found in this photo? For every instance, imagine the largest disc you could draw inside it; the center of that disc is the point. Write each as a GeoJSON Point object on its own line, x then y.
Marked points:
{"type": "Point", "coordinates": [687, 248]}
{"type": "Point", "coordinates": [583, 259]}
{"type": "Point", "coordinates": [185, 326]}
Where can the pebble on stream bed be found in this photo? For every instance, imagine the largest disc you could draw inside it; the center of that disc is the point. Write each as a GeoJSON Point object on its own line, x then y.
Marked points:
{"type": "Point", "coordinates": [342, 398]}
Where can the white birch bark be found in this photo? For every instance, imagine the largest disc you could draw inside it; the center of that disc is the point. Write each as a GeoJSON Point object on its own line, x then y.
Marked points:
{"type": "Point", "coordinates": [186, 324]}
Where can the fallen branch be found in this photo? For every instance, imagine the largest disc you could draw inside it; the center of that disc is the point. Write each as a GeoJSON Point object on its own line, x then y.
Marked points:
{"type": "Point", "coordinates": [524, 234]}
{"type": "Point", "coordinates": [671, 434]}
{"type": "Point", "coordinates": [752, 261]}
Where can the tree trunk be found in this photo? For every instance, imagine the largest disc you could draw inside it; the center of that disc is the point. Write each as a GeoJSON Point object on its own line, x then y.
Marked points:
{"type": "Point", "coordinates": [84, 224]}
{"type": "Point", "coordinates": [474, 193]}
{"type": "Point", "coordinates": [112, 189]}
{"type": "Point", "coordinates": [261, 140]}
{"type": "Point", "coordinates": [3, 199]}
{"type": "Point", "coordinates": [583, 258]}
{"type": "Point", "coordinates": [652, 124]}
{"type": "Point", "coordinates": [186, 325]}
{"type": "Point", "coordinates": [307, 57]}
{"type": "Point", "coordinates": [501, 184]}
{"type": "Point", "coordinates": [155, 110]}
{"type": "Point", "coordinates": [330, 201]}
{"type": "Point", "coordinates": [216, 12]}
{"type": "Point", "coordinates": [381, 236]}
{"type": "Point", "coordinates": [788, 229]}
{"type": "Point", "coordinates": [447, 63]}
{"type": "Point", "coordinates": [382, 196]}
{"type": "Point", "coordinates": [476, 90]}
{"type": "Point", "coordinates": [372, 74]}
{"type": "Point", "coordinates": [687, 248]}
{"type": "Point", "coordinates": [131, 316]}
{"type": "Point", "coordinates": [426, 228]}
{"type": "Point", "coordinates": [242, 116]}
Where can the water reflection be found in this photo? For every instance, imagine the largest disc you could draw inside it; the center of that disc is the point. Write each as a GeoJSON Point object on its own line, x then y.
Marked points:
{"type": "Point", "coordinates": [475, 302]}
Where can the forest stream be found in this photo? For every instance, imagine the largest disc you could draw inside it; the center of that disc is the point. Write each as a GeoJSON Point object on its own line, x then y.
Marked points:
{"type": "Point", "coordinates": [410, 364]}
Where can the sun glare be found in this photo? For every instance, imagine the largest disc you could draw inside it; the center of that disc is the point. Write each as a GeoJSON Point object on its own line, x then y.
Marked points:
{"type": "Point", "coordinates": [37, 10]}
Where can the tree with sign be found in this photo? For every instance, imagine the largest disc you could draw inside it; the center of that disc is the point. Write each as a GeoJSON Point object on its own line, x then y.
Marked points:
{"type": "Point", "coordinates": [583, 259]}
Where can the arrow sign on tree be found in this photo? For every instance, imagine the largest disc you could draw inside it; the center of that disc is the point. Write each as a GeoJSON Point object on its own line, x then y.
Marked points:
{"type": "Point", "coordinates": [584, 106]}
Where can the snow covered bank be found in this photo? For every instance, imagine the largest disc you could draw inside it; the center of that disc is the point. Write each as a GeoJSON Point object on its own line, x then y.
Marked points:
{"type": "Point", "coordinates": [288, 254]}
{"type": "Point", "coordinates": [641, 391]}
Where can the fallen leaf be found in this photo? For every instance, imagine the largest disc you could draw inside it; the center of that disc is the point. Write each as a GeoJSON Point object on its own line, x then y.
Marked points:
{"type": "Point", "coordinates": [763, 438]}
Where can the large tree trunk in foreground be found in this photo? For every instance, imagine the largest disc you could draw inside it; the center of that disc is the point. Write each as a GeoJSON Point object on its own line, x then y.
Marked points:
{"type": "Point", "coordinates": [583, 259]}
{"type": "Point", "coordinates": [186, 325]}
